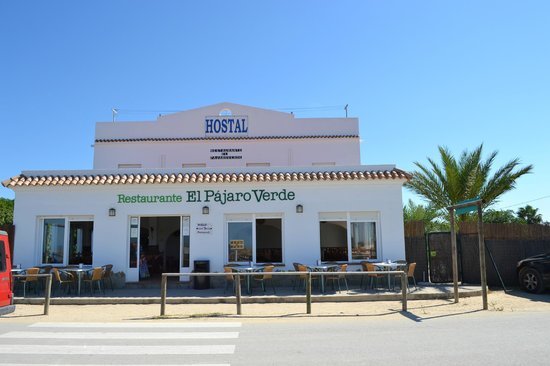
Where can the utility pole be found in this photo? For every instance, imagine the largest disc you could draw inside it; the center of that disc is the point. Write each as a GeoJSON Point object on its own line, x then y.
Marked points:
{"type": "Point", "coordinates": [115, 112]}
{"type": "Point", "coordinates": [346, 109]}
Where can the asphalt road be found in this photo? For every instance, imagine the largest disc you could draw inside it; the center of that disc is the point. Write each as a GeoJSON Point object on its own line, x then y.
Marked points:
{"type": "Point", "coordinates": [482, 338]}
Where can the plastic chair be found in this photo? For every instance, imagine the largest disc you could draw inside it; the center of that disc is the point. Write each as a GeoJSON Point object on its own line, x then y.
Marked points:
{"type": "Point", "coordinates": [96, 277]}
{"type": "Point", "coordinates": [107, 276]}
{"type": "Point", "coordinates": [60, 281]}
{"type": "Point", "coordinates": [266, 277]}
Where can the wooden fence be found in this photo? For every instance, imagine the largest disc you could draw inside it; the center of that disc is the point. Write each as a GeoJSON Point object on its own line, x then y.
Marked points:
{"type": "Point", "coordinates": [506, 244]}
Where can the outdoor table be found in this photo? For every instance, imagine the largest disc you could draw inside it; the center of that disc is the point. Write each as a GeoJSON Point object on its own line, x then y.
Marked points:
{"type": "Point", "coordinates": [79, 271]}
{"type": "Point", "coordinates": [322, 268]}
{"type": "Point", "coordinates": [248, 269]}
{"type": "Point", "coordinates": [387, 266]}
{"type": "Point", "coordinates": [16, 271]}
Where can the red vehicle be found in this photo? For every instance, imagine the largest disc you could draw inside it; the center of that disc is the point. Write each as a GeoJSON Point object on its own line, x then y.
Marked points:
{"type": "Point", "coordinates": [6, 294]}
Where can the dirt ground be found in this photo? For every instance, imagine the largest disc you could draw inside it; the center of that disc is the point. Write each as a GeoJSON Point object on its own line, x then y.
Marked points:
{"type": "Point", "coordinates": [498, 301]}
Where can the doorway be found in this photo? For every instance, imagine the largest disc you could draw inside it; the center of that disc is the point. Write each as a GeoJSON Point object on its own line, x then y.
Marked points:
{"type": "Point", "coordinates": [159, 239]}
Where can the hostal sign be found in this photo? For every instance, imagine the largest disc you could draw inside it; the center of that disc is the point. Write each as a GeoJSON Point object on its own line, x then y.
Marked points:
{"type": "Point", "coordinates": [210, 195]}
{"type": "Point", "coordinates": [226, 125]}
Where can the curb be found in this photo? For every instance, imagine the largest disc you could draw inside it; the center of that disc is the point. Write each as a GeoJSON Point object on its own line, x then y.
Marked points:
{"type": "Point", "coordinates": [245, 300]}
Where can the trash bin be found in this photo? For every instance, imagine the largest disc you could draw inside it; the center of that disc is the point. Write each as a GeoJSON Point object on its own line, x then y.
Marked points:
{"type": "Point", "coordinates": [201, 282]}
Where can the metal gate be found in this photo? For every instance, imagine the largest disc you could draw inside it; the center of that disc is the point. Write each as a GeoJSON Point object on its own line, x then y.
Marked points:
{"type": "Point", "coordinates": [440, 257]}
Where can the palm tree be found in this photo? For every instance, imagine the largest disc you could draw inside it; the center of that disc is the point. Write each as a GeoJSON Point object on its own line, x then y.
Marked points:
{"type": "Point", "coordinates": [529, 215]}
{"type": "Point", "coordinates": [466, 178]}
{"type": "Point", "coordinates": [427, 214]}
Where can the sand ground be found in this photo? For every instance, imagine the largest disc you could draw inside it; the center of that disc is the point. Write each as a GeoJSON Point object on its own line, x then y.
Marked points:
{"type": "Point", "coordinates": [498, 301]}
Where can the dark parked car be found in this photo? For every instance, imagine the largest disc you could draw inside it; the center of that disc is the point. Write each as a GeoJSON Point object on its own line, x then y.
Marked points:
{"type": "Point", "coordinates": [534, 273]}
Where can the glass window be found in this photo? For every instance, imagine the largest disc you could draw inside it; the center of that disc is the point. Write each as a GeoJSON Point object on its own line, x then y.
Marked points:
{"type": "Point", "coordinates": [334, 241]}
{"type": "Point", "coordinates": [269, 241]}
{"type": "Point", "coordinates": [241, 235]}
{"type": "Point", "coordinates": [134, 235]}
{"type": "Point", "coordinates": [80, 242]}
{"type": "Point", "coordinates": [186, 229]}
{"type": "Point", "coordinates": [3, 258]}
{"type": "Point", "coordinates": [363, 240]}
{"type": "Point", "coordinates": [53, 241]}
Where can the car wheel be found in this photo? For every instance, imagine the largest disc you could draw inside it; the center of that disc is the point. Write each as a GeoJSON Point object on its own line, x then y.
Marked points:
{"type": "Point", "coordinates": [531, 280]}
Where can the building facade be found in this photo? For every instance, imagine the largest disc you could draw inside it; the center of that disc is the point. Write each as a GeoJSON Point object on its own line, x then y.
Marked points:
{"type": "Point", "coordinates": [225, 183]}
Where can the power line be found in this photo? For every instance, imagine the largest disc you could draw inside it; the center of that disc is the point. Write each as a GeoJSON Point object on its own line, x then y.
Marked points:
{"type": "Point", "coordinates": [522, 203]}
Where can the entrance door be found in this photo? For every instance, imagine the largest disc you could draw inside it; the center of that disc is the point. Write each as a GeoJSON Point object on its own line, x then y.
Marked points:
{"type": "Point", "coordinates": [161, 244]}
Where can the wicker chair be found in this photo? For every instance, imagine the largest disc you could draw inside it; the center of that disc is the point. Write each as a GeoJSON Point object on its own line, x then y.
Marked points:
{"type": "Point", "coordinates": [266, 277]}
{"type": "Point", "coordinates": [230, 278]}
{"type": "Point", "coordinates": [63, 282]}
{"type": "Point", "coordinates": [410, 274]}
{"type": "Point", "coordinates": [338, 277]}
{"type": "Point", "coordinates": [302, 277]}
{"type": "Point", "coordinates": [107, 276]}
{"type": "Point", "coordinates": [96, 277]}
{"type": "Point", "coordinates": [369, 267]}
{"type": "Point", "coordinates": [30, 279]}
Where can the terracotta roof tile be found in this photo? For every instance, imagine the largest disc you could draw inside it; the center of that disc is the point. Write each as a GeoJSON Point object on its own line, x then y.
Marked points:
{"type": "Point", "coordinates": [182, 178]}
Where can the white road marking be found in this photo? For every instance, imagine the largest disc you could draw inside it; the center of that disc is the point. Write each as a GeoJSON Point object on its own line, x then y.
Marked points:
{"type": "Point", "coordinates": [137, 325]}
{"type": "Point", "coordinates": [115, 350]}
{"type": "Point", "coordinates": [65, 364]}
{"type": "Point", "coordinates": [120, 335]}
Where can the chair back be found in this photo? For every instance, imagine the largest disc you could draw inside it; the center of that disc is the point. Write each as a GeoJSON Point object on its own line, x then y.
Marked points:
{"type": "Point", "coordinates": [296, 265]}
{"type": "Point", "coordinates": [268, 270]}
{"type": "Point", "coordinates": [46, 269]}
{"type": "Point", "coordinates": [31, 272]}
{"type": "Point", "coordinates": [371, 268]}
{"type": "Point", "coordinates": [343, 268]}
{"type": "Point", "coordinates": [364, 266]}
{"type": "Point", "coordinates": [410, 272]}
{"type": "Point", "coordinates": [302, 268]}
{"type": "Point", "coordinates": [228, 273]}
{"type": "Point", "coordinates": [108, 270]}
{"type": "Point", "coordinates": [97, 274]}
{"type": "Point", "coordinates": [56, 276]}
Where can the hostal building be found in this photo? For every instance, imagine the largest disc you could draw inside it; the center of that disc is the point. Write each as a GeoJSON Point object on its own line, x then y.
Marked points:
{"type": "Point", "coordinates": [226, 183]}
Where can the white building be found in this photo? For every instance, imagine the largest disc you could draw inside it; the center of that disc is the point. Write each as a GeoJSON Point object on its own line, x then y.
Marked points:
{"type": "Point", "coordinates": [224, 183]}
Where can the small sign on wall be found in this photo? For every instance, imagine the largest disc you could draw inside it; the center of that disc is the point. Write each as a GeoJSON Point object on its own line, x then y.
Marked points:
{"type": "Point", "coordinates": [203, 228]}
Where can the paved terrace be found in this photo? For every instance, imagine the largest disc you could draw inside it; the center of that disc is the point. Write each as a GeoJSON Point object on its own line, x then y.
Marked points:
{"type": "Point", "coordinates": [183, 293]}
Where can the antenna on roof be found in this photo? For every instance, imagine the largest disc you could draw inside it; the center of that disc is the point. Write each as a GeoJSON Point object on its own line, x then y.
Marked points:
{"type": "Point", "coordinates": [115, 112]}
{"type": "Point", "coordinates": [346, 109]}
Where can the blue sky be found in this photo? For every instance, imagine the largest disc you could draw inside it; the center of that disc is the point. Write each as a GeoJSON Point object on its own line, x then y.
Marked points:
{"type": "Point", "coordinates": [417, 74]}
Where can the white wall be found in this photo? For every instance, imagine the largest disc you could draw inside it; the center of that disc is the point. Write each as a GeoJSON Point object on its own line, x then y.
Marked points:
{"type": "Point", "coordinates": [300, 236]}
{"type": "Point", "coordinates": [261, 123]}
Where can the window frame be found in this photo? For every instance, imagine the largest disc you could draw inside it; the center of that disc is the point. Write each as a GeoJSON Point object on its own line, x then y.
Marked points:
{"type": "Point", "coordinates": [66, 237]}
{"type": "Point", "coordinates": [251, 218]}
{"type": "Point", "coordinates": [349, 218]}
